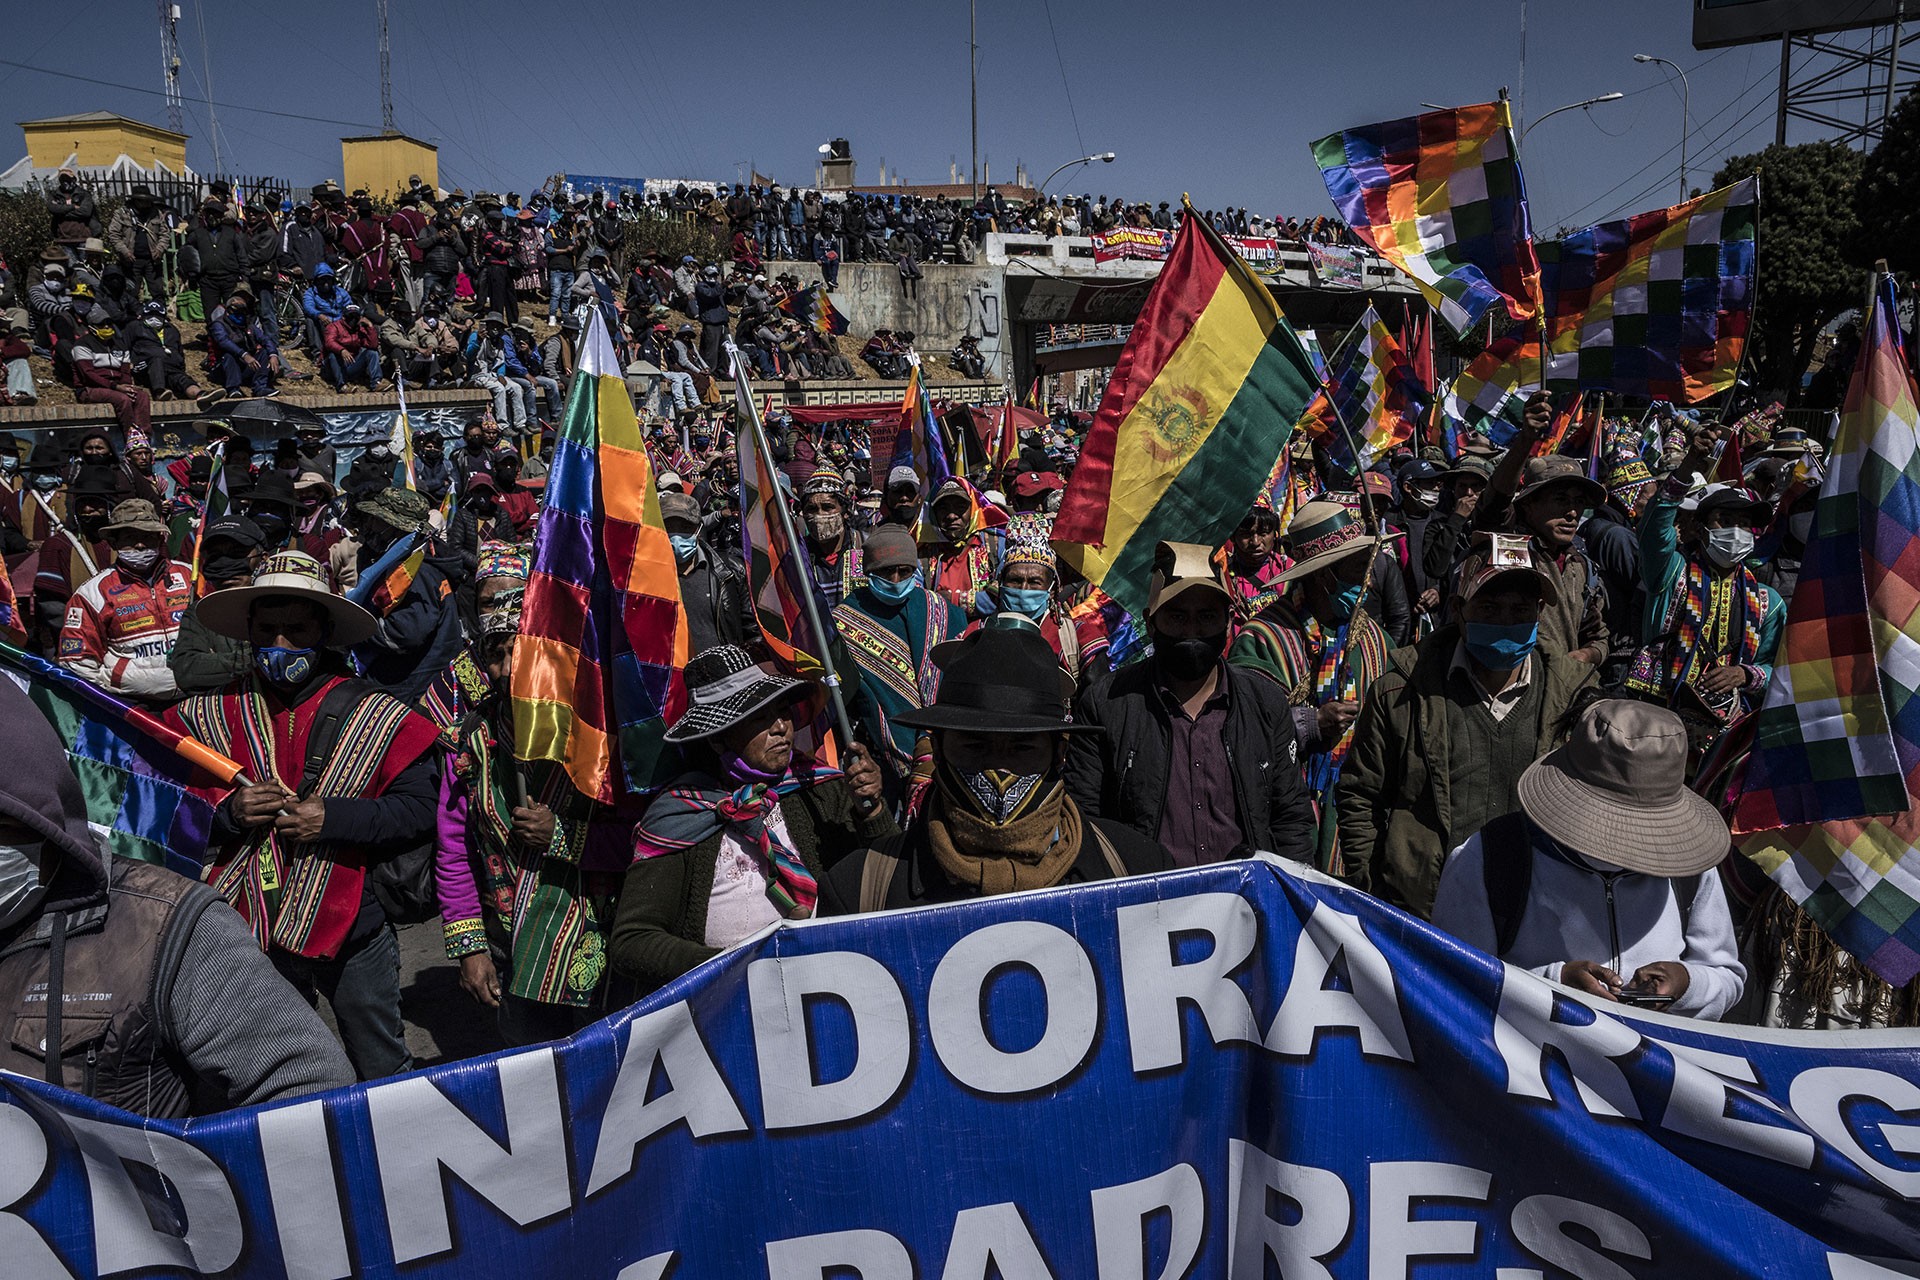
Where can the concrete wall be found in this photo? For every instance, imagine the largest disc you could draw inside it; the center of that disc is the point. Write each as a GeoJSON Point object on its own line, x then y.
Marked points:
{"type": "Point", "coordinates": [952, 302]}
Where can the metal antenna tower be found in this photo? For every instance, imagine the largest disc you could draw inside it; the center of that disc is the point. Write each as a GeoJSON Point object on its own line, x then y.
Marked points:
{"type": "Point", "coordinates": [386, 75]}
{"type": "Point", "coordinates": [170, 63]}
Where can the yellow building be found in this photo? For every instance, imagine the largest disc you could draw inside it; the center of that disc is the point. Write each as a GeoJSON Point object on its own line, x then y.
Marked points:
{"type": "Point", "coordinates": [98, 139]}
{"type": "Point", "coordinates": [383, 162]}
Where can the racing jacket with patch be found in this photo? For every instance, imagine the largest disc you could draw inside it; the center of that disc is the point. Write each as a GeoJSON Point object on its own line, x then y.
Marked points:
{"type": "Point", "coordinates": [119, 629]}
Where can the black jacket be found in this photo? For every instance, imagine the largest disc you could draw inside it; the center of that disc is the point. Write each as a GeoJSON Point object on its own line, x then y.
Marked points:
{"type": "Point", "coordinates": [1122, 774]}
{"type": "Point", "coordinates": [218, 251]}
{"type": "Point", "coordinates": [919, 881]}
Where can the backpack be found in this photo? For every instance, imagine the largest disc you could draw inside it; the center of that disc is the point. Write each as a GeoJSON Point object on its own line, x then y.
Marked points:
{"type": "Point", "coordinates": [1506, 874]}
{"type": "Point", "coordinates": [403, 884]}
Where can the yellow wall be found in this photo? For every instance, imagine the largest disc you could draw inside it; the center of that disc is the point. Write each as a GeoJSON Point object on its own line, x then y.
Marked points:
{"type": "Point", "coordinates": [98, 143]}
{"type": "Point", "coordinates": [382, 165]}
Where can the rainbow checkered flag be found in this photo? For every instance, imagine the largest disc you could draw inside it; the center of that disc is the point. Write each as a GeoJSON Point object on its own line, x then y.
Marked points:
{"type": "Point", "coordinates": [1830, 803]}
{"type": "Point", "coordinates": [1441, 197]}
{"type": "Point", "coordinates": [777, 577]}
{"type": "Point", "coordinates": [1372, 390]}
{"type": "Point", "coordinates": [1657, 306]}
{"type": "Point", "coordinates": [603, 635]}
{"type": "Point", "coordinates": [813, 308]}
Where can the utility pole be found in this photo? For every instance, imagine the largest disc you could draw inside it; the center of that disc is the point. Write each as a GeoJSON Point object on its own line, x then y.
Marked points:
{"type": "Point", "coordinates": [973, 90]}
{"type": "Point", "coordinates": [386, 75]}
{"type": "Point", "coordinates": [170, 63]}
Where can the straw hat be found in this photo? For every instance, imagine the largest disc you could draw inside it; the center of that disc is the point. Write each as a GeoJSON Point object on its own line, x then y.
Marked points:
{"type": "Point", "coordinates": [1617, 791]}
{"type": "Point", "coordinates": [286, 574]}
{"type": "Point", "coordinates": [1323, 533]}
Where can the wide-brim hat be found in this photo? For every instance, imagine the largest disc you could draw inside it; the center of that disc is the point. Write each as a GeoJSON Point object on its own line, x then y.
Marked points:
{"type": "Point", "coordinates": [1324, 533]}
{"type": "Point", "coordinates": [286, 574]}
{"type": "Point", "coordinates": [1616, 790]}
{"type": "Point", "coordinates": [137, 515]}
{"type": "Point", "coordinates": [1558, 471]}
{"type": "Point", "coordinates": [1788, 442]}
{"type": "Point", "coordinates": [1180, 567]}
{"type": "Point", "coordinates": [724, 687]}
{"type": "Point", "coordinates": [1003, 678]}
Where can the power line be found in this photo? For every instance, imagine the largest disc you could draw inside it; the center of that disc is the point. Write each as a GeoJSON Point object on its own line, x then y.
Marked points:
{"type": "Point", "coordinates": [155, 93]}
{"type": "Point", "coordinates": [1062, 64]}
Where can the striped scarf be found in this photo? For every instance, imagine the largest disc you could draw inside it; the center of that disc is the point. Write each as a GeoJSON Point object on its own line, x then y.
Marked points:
{"type": "Point", "coordinates": [682, 817]}
{"type": "Point", "coordinates": [1701, 628]}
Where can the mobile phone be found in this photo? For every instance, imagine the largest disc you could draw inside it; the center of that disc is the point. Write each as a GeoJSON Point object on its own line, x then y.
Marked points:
{"type": "Point", "coordinates": [1642, 999]}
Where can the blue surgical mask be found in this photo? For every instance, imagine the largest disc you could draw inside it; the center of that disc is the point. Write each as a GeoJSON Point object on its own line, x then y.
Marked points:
{"type": "Point", "coordinates": [1345, 600]}
{"type": "Point", "coordinates": [1026, 600]}
{"type": "Point", "coordinates": [684, 545]}
{"type": "Point", "coordinates": [894, 592]}
{"type": "Point", "coordinates": [285, 666]}
{"type": "Point", "coordinates": [1499, 648]}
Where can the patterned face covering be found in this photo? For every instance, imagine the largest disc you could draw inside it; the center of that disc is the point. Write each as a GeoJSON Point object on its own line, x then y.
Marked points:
{"type": "Point", "coordinates": [997, 797]}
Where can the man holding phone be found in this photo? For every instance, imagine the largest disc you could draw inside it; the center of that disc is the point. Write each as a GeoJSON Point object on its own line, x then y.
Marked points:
{"type": "Point", "coordinates": [1605, 879]}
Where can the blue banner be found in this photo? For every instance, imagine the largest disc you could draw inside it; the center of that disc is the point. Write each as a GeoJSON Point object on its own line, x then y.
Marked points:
{"type": "Point", "coordinates": [1235, 1071]}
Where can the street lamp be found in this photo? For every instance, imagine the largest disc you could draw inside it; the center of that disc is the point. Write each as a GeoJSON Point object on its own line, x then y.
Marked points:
{"type": "Point", "coordinates": [1686, 112]}
{"type": "Point", "coordinates": [1104, 157]}
{"type": "Point", "coordinates": [1571, 106]}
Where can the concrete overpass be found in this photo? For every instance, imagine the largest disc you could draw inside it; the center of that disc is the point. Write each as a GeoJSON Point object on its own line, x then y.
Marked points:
{"type": "Point", "coordinates": [1022, 286]}
{"type": "Point", "coordinates": [1065, 311]}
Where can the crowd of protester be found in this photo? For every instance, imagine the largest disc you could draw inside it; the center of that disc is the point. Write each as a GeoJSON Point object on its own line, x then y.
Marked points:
{"type": "Point", "coordinates": [1476, 688]}
{"type": "Point", "coordinates": [431, 288]}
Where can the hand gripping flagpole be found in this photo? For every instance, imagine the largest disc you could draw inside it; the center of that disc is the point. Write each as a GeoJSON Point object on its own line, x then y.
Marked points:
{"type": "Point", "coordinates": [743, 396]}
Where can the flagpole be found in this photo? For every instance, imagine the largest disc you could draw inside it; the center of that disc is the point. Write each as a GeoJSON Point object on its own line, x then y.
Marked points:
{"type": "Point", "coordinates": [79, 544]}
{"type": "Point", "coordinates": [777, 500]}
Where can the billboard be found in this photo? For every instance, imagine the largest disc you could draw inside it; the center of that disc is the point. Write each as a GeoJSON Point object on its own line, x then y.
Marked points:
{"type": "Point", "coordinates": [1718, 23]}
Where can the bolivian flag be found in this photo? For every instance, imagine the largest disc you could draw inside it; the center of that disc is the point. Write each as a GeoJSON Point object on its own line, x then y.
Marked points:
{"type": "Point", "coordinates": [1200, 405]}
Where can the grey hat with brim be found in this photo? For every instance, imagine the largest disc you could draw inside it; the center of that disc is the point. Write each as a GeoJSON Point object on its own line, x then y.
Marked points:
{"type": "Point", "coordinates": [725, 686]}
{"type": "Point", "coordinates": [1616, 791]}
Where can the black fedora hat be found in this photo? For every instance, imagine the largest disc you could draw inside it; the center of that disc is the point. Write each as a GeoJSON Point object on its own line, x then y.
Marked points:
{"type": "Point", "coordinates": [1004, 678]}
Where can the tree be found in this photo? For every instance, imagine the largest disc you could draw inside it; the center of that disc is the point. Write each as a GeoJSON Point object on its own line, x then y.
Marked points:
{"type": "Point", "coordinates": [1808, 228]}
{"type": "Point", "coordinates": [1887, 201]}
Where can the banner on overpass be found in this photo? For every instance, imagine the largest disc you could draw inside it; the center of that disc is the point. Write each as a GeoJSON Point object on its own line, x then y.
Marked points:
{"type": "Point", "coordinates": [1337, 267]}
{"type": "Point", "coordinates": [1234, 1071]}
{"type": "Point", "coordinates": [1148, 243]}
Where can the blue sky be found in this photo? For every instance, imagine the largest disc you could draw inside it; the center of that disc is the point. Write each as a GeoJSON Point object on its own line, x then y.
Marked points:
{"type": "Point", "coordinates": [1219, 98]}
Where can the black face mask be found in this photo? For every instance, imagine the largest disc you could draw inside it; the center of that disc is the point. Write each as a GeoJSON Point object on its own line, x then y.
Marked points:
{"type": "Point", "coordinates": [1190, 659]}
{"type": "Point", "coordinates": [273, 526]}
{"type": "Point", "coordinates": [225, 568]}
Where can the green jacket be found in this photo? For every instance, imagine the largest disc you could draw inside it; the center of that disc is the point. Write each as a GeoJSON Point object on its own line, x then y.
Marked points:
{"type": "Point", "coordinates": [203, 661]}
{"type": "Point", "coordinates": [1395, 813]}
{"type": "Point", "coordinates": [660, 926]}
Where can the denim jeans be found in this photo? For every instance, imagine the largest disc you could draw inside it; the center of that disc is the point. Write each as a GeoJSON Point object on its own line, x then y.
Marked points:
{"type": "Point", "coordinates": [362, 984]}
{"type": "Point", "coordinates": [363, 367]}
{"type": "Point", "coordinates": [520, 402]}
{"type": "Point", "coordinates": [559, 285]}
{"type": "Point", "coordinates": [233, 374]}
{"type": "Point", "coordinates": [555, 402]}
{"type": "Point", "coordinates": [680, 387]}
{"type": "Point", "coordinates": [494, 383]}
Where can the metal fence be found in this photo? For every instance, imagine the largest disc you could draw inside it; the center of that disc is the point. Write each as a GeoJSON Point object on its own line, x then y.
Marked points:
{"type": "Point", "coordinates": [182, 194]}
